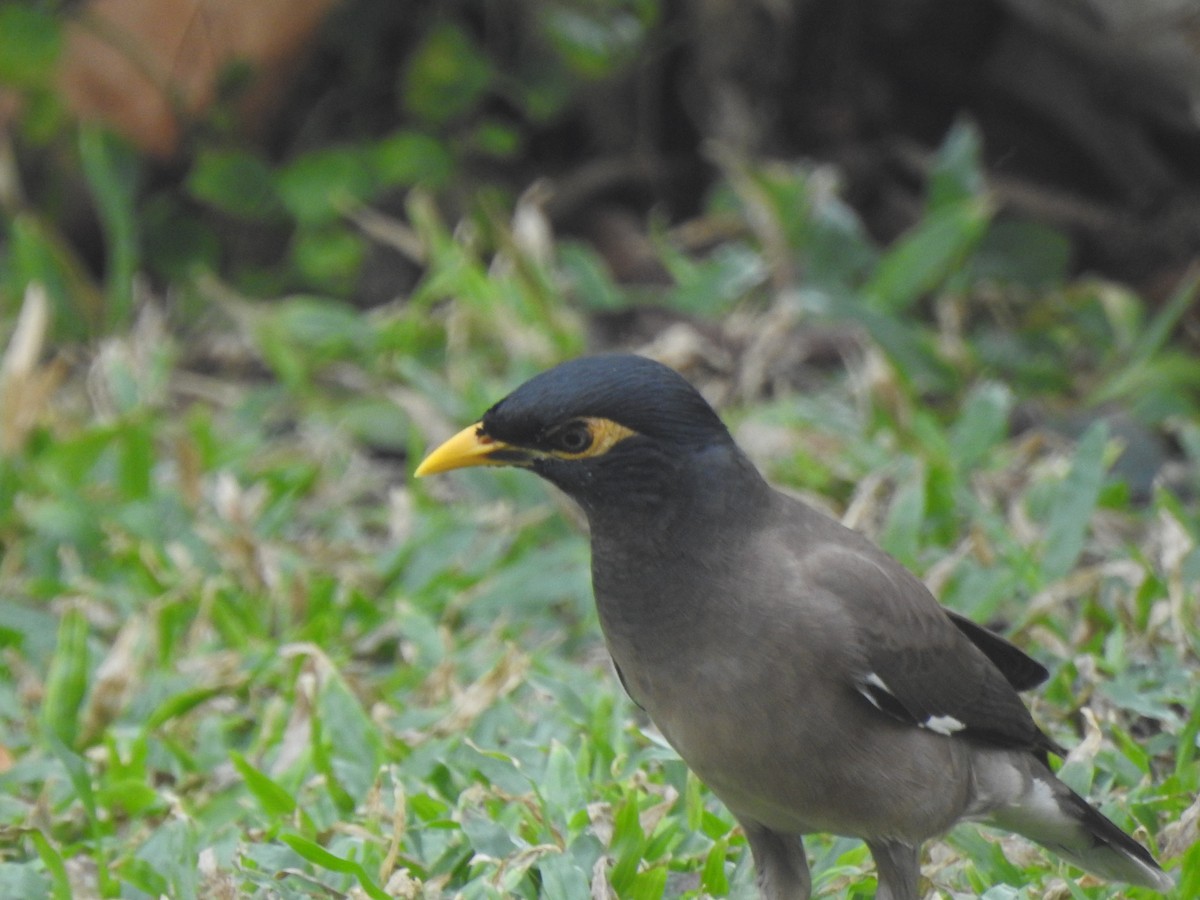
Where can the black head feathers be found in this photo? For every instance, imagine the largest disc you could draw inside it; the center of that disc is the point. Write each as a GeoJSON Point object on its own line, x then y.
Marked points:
{"type": "Point", "coordinates": [641, 394]}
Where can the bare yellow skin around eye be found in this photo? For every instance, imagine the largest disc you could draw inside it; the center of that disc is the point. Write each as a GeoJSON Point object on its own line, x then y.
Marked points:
{"type": "Point", "coordinates": [605, 435]}
{"type": "Point", "coordinates": [472, 447]}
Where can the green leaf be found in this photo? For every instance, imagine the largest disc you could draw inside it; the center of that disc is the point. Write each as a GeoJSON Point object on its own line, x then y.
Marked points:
{"type": "Point", "coordinates": [177, 243]}
{"type": "Point", "coordinates": [78, 775]}
{"type": "Point", "coordinates": [30, 43]}
{"type": "Point", "coordinates": [319, 856]}
{"type": "Point", "coordinates": [81, 781]}
{"type": "Point", "coordinates": [595, 40]}
{"type": "Point", "coordinates": [1015, 251]}
{"type": "Point", "coordinates": [712, 878]}
{"type": "Point", "coordinates": [649, 884]}
{"type": "Point", "coordinates": [112, 170]}
{"type": "Point", "coordinates": [1078, 774]}
{"type": "Point", "coordinates": [447, 75]}
{"type": "Point", "coordinates": [301, 334]}
{"type": "Point", "coordinates": [628, 842]}
{"type": "Point", "coordinates": [350, 744]}
{"type": "Point", "coordinates": [562, 879]}
{"type": "Point", "coordinates": [804, 213]}
{"type": "Point", "coordinates": [982, 424]}
{"type": "Point", "coordinates": [957, 173]}
{"type": "Point", "coordinates": [275, 800]}
{"type": "Point", "coordinates": [136, 461]}
{"type": "Point", "coordinates": [590, 281]}
{"type": "Point", "coordinates": [911, 350]}
{"type": "Point", "coordinates": [235, 182]}
{"type": "Point", "coordinates": [1154, 337]}
{"type": "Point", "coordinates": [1000, 892]}
{"type": "Point", "coordinates": [693, 802]}
{"type": "Point", "coordinates": [330, 256]}
{"type": "Point", "coordinates": [1188, 744]}
{"type": "Point", "coordinates": [925, 257]}
{"type": "Point", "coordinates": [496, 139]}
{"type": "Point", "coordinates": [1074, 503]}
{"type": "Point", "coordinates": [1189, 869]}
{"type": "Point", "coordinates": [67, 680]}
{"type": "Point", "coordinates": [129, 797]}
{"type": "Point", "coordinates": [487, 836]}
{"type": "Point", "coordinates": [560, 785]}
{"type": "Point", "coordinates": [715, 284]}
{"type": "Point", "coordinates": [146, 878]}
{"type": "Point", "coordinates": [1151, 367]}
{"type": "Point", "coordinates": [37, 253]}
{"type": "Point", "coordinates": [20, 880]}
{"type": "Point", "coordinates": [54, 864]}
{"type": "Point", "coordinates": [180, 705]}
{"type": "Point", "coordinates": [165, 864]}
{"type": "Point", "coordinates": [409, 158]}
{"type": "Point", "coordinates": [902, 532]}
{"type": "Point", "coordinates": [320, 186]}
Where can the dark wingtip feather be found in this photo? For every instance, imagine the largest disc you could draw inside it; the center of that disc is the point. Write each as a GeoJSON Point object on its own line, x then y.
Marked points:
{"type": "Point", "coordinates": [1021, 670]}
{"type": "Point", "coordinates": [1130, 861]}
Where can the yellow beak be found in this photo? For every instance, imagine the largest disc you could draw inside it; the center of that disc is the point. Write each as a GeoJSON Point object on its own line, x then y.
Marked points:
{"type": "Point", "coordinates": [470, 447]}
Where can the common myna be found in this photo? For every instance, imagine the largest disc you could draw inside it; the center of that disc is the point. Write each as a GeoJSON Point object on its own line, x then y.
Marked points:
{"type": "Point", "coordinates": [809, 679]}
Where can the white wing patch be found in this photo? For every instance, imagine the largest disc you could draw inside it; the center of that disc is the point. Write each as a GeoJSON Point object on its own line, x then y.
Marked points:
{"type": "Point", "coordinates": [882, 697]}
{"type": "Point", "coordinates": [878, 682]}
{"type": "Point", "coordinates": [943, 724]}
{"type": "Point", "coordinates": [874, 681]}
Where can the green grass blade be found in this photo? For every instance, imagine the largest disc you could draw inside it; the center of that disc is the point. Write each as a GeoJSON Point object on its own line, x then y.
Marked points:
{"type": "Point", "coordinates": [928, 255]}
{"type": "Point", "coordinates": [319, 856]}
{"type": "Point", "coordinates": [1074, 505]}
{"type": "Point", "coordinates": [111, 169]}
{"type": "Point", "coordinates": [54, 864]}
{"type": "Point", "coordinates": [275, 800]}
{"type": "Point", "coordinates": [66, 682]}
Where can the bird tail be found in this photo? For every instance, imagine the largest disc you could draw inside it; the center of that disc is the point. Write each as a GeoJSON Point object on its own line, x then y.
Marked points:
{"type": "Point", "coordinates": [1051, 814]}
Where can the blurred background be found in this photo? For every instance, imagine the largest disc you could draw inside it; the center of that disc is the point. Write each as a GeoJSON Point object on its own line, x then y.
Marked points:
{"type": "Point", "coordinates": [935, 261]}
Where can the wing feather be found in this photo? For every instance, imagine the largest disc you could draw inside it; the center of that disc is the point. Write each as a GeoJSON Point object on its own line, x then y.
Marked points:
{"type": "Point", "coordinates": [924, 665]}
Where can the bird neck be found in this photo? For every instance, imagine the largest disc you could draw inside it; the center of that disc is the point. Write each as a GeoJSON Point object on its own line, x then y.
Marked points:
{"type": "Point", "coordinates": [651, 559]}
{"type": "Point", "coordinates": [674, 499]}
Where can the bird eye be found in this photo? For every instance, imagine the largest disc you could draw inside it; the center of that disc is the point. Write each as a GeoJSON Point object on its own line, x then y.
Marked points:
{"type": "Point", "coordinates": [574, 437]}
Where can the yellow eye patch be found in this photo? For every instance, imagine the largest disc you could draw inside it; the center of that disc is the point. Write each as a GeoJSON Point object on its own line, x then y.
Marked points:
{"type": "Point", "coordinates": [605, 433]}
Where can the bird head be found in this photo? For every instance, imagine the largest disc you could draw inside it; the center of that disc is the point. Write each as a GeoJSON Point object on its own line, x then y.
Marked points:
{"type": "Point", "coordinates": [604, 429]}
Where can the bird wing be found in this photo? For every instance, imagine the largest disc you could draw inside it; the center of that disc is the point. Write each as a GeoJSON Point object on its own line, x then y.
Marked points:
{"type": "Point", "coordinates": [1022, 671]}
{"type": "Point", "coordinates": [920, 665]}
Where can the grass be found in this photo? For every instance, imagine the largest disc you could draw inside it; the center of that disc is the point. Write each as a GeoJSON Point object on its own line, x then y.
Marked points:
{"type": "Point", "coordinates": [245, 655]}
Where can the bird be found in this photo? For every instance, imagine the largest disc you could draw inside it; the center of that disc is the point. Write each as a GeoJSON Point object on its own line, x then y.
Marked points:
{"type": "Point", "coordinates": [809, 679]}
